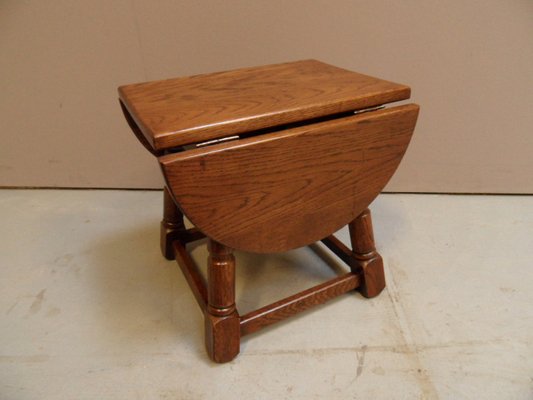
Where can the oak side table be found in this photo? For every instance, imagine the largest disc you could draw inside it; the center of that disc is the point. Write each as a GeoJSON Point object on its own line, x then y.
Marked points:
{"type": "Point", "coordinates": [268, 159]}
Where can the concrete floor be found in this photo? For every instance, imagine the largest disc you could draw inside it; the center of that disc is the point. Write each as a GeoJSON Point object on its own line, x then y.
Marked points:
{"type": "Point", "coordinates": [90, 310]}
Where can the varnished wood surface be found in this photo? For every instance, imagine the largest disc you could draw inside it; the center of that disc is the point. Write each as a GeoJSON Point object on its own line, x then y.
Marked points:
{"type": "Point", "coordinates": [279, 186]}
{"type": "Point", "coordinates": [193, 109]}
{"type": "Point", "coordinates": [191, 273]}
{"type": "Point", "coordinates": [216, 297]}
{"type": "Point", "coordinates": [363, 258]}
{"type": "Point", "coordinates": [339, 249]}
{"type": "Point", "coordinates": [366, 258]}
{"type": "Point", "coordinates": [222, 324]}
{"type": "Point", "coordinates": [172, 226]}
{"type": "Point", "coordinates": [297, 303]}
{"type": "Point", "coordinates": [221, 278]}
{"type": "Point", "coordinates": [283, 190]}
{"type": "Point", "coordinates": [137, 131]}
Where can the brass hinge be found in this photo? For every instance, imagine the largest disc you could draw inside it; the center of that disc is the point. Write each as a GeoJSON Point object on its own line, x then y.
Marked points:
{"type": "Point", "coordinates": [215, 141]}
{"type": "Point", "coordinates": [364, 110]}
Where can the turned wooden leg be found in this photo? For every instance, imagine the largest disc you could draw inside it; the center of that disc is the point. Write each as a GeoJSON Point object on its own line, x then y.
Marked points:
{"type": "Point", "coordinates": [222, 325]}
{"type": "Point", "coordinates": [171, 226]}
{"type": "Point", "coordinates": [365, 255]}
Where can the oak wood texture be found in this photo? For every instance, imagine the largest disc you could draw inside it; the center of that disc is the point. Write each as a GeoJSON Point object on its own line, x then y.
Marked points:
{"type": "Point", "coordinates": [297, 303]}
{"type": "Point", "coordinates": [224, 327]}
{"type": "Point", "coordinates": [222, 324]}
{"type": "Point", "coordinates": [192, 275]}
{"type": "Point", "coordinates": [365, 255]}
{"type": "Point", "coordinates": [136, 130]}
{"type": "Point", "coordinates": [171, 226]}
{"type": "Point", "coordinates": [339, 249]}
{"type": "Point", "coordinates": [364, 258]}
{"type": "Point", "coordinates": [194, 109]}
{"type": "Point", "coordinates": [221, 278]}
{"type": "Point", "coordinates": [302, 166]}
{"type": "Point", "coordinates": [286, 189]}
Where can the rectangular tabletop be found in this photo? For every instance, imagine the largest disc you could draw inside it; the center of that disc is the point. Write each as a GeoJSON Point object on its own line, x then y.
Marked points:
{"type": "Point", "coordinates": [194, 109]}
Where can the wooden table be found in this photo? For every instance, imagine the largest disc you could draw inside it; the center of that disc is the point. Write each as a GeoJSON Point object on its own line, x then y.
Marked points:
{"type": "Point", "coordinates": [268, 159]}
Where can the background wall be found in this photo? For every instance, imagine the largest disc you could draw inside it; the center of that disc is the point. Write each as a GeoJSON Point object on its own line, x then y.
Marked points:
{"type": "Point", "coordinates": [469, 64]}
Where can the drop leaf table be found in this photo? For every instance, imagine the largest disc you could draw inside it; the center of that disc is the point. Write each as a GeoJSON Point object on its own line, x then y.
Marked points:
{"type": "Point", "coordinates": [268, 159]}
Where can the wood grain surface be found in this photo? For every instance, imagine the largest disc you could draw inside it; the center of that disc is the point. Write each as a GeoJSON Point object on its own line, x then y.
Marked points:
{"type": "Point", "coordinates": [194, 109]}
{"type": "Point", "coordinates": [222, 323]}
{"type": "Point", "coordinates": [297, 303]}
{"type": "Point", "coordinates": [286, 189]}
{"type": "Point", "coordinates": [366, 258]}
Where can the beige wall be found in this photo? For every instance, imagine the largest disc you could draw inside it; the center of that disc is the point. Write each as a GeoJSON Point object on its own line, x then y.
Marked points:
{"type": "Point", "coordinates": [470, 65]}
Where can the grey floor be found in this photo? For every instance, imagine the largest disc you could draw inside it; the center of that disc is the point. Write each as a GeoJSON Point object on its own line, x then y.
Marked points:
{"type": "Point", "coordinates": [90, 310]}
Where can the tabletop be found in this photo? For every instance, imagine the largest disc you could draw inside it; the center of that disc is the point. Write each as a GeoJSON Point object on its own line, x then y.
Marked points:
{"type": "Point", "coordinates": [186, 110]}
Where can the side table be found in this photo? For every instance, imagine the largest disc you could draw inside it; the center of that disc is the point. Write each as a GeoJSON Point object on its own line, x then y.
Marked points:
{"type": "Point", "coordinates": [268, 159]}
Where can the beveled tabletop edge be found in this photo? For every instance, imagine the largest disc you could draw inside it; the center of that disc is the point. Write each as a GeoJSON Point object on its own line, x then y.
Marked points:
{"type": "Point", "coordinates": [146, 131]}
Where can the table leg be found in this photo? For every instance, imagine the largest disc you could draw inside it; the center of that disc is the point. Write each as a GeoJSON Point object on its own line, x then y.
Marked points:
{"type": "Point", "coordinates": [365, 255]}
{"type": "Point", "coordinates": [172, 225]}
{"type": "Point", "coordinates": [222, 324]}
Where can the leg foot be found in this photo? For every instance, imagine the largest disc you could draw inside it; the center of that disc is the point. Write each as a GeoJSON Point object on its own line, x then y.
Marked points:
{"type": "Point", "coordinates": [222, 337]}
{"type": "Point", "coordinates": [366, 257]}
{"type": "Point", "coordinates": [222, 324]}
{"type": "Point", "coordinates": [171, 226]}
